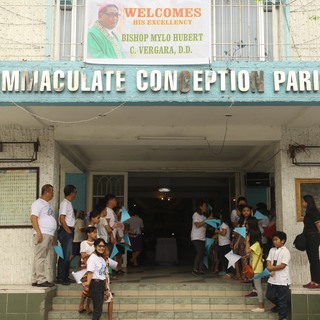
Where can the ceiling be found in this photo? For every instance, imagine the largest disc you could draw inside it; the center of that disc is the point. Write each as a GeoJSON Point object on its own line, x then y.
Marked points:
{"type": "Point", "coordinates": [164, 138]}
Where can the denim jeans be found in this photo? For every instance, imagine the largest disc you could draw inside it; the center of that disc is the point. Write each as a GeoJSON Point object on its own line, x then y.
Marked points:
{"type": "Point", "coordinates": [96, 290]}
{"type": "Point", "coordinates": [66, 243]}
{"type": "Point", "coordinates": [278, 296]}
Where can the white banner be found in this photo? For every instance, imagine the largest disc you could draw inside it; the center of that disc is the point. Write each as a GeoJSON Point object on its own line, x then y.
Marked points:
{"type": "Point", "coordinates": [148, 32]}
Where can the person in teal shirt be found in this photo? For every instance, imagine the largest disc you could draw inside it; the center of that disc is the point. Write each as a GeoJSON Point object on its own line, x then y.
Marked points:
{"type": "Point", "coordinates": [102, 42]}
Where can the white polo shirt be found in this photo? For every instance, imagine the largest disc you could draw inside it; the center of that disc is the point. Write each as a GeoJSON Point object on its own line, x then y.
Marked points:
{"type": "Point", "coordinates": [66, 209]}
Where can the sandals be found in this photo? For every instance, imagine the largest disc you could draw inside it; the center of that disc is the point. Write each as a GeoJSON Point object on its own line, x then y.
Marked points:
{"type": "Point", "coordinates": [82, 310]}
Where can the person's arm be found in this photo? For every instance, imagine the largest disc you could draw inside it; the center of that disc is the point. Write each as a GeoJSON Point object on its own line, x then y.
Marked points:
{"type": "Point", "coordinates": [63, 223]}
{"type": "Point", "coordinates": [278, 267]}
{"type": "Point", "coordinates": [89, 278]}
{"type": "Point", "coordinates": [35, 225]}
{"type": "Point", "coordinates": [199, 224]}
{"type": "Point", "coordinates": [221, 232]}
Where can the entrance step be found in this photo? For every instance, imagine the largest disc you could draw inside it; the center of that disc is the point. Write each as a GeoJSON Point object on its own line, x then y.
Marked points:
{"type": "Point", "coordinates": [220, 300]}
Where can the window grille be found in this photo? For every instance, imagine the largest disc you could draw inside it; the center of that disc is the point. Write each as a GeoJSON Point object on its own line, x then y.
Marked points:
{"type": "Point", "coordinates": [249, 30]}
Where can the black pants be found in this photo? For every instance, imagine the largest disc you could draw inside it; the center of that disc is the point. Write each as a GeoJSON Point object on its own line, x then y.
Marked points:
{"type": "Point", "coordinates": [96, 289]}
{"type": "Point", "coordinates": [313, 242]}
{"type": "Point", "coordinates": [222, 251]}
{"type": "Point", "coordinates": [199, 245]}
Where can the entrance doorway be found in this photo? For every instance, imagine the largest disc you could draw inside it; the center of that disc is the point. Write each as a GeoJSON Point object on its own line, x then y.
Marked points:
{"type": "Point", "coordinates": [167, 215]}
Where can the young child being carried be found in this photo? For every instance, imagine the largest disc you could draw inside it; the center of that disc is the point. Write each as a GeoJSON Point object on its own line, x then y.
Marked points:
{"type": "Point", "coordinates": [279, 281]}
{"type": "Point", "coordinates": [86, 248]}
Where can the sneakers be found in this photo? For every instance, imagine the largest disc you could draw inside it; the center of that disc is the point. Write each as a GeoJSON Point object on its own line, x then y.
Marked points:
{"type": "Point", "coordinates": [222, 273]}
{"type": "Point", "coordinates": [34, 284]}
{"type": "Point", "coordinates": [259, 310]}
{"type": "Point", "coordinates": [45, 284]}
{"type": "Point", "coordinates": [195, 273]}
{"type": "Point", "coordinates": [252, 294]}
{"type": "Point", "coordinates": [306, 285]}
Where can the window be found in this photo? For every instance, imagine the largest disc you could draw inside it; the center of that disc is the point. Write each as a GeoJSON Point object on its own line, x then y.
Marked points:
{"type": "Point", "coordinates": [241, 29]}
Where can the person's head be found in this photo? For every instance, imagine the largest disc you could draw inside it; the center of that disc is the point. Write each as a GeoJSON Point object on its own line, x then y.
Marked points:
{"type": "Point", "coordinates": [252, 224]}
{"type": "Point", "coordinates": [117, 211]}
{"type": "Point", "coordinates": [94, 217]}
{"type": "Point", "coordinates": [111, 200]}
{"type": "Point", "coordinates": [241, 201]}
{"type": "Point", "coordinates": [102, 209]}
{"type": "Point", "coordinates": [70, 192]}
{"type": "Point", "coordinates": [91, 232]}
{"type": "Point", "coordinates": [80, 214]}
{"type": "Point", "coordinates": [308, 202]}
{"type": "Point", "coordinates": [225, 217]}
{"type": "Point", "coordinates": [279, 239]}
{"type": "Point", "coordinates": [108, 15]}
{"type": "Point", "coordinates": [201, 206]}
{"type": "Point", "coordinates": [99, 246]}
{"type": "Point", "coordinates": [246, 211]}
{"type": "Point", "coordinates": [47, 192]}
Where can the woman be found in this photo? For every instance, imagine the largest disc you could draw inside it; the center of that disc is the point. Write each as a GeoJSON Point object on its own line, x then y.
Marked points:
{"type": "Point", "coordinates": [96, 277]}
{"type": "Point", "coordinates": [198, 236]}
{"type": "Point", "coordinates": [311, 230]}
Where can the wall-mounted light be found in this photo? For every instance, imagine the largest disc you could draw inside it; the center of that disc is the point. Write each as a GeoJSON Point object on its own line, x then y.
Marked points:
{"type": "Point", "coordinates": [164, 189]}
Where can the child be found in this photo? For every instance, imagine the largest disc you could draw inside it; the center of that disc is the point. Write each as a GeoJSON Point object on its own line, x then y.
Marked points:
{"type": "Point", "coordinates": [279, 281]}
{"type": "Point", "coordinates": [86, 248]}
{"type": "Point", "coordinates": [254, 248]}
{"type": "Point", "coordinates": [79, 235]}
{"type": "Point", "coordinates": [239, 243]}
{"type": "Point", "coordinates": [224, 233]}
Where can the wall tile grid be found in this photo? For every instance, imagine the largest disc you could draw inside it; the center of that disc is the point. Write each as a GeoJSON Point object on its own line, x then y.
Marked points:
{"type": "Point", "coordinates": [285, 175]}
{"type": "Point", "coordinates": [16, 243]}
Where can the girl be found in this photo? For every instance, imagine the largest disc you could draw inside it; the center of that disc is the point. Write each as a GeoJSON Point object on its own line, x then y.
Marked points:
{"type": "Point", "coordinates": [239, 243]}
{"type": "Point", "coordinates": [224, 233]}
{"type": "Point", "coordinates": [254, 248]}
{"type": "Point", "coordinates": [79, 235]}
{"type": "Point", "coordinates": [96, 279]}
{"type": "Point", "coordinates": [198, 236]}
{"type": "Point", "coordinates": [311, 230]}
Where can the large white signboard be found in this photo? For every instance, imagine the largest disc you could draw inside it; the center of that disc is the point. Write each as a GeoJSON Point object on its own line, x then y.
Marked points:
{"type": "Point", "coordinates": [148, 32]}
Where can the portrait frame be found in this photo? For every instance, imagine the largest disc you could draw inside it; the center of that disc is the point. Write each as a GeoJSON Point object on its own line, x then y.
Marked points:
{"type": "Point", "coordinates": [303, 187]}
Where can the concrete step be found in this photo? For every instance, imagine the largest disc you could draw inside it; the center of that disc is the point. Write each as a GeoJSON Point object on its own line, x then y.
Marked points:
{"type": "Point", "coordinates": [169, 315]}
{"type": "Point", "coordinates": [166, 301]}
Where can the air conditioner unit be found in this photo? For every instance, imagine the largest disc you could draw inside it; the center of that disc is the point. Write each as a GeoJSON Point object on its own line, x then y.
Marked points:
{"type": "Point", "coordinates": [257, 179]}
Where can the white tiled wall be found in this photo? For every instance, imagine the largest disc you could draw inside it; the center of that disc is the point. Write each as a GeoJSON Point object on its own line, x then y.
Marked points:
{"type": "Point", "coordinates": [285, 175]}
{"type": "Point", "coordinates": [16, 243]}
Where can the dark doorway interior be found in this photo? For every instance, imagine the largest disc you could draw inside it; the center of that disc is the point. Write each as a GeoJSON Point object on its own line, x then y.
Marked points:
{"type": "Point", "coordinates": [169, 215]}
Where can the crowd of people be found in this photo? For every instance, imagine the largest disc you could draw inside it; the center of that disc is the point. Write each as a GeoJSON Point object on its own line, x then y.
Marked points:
{"type": "Point", "coordinates": [93, 237]}
{"type": "Point", "coordinates": [89, 238]}
{"type": "Point", "coordinates": [261, 247]}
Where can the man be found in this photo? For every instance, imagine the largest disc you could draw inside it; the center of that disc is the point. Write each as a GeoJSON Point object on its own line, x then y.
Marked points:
{"type": "Point", "coordinates": [103, 43]}
{"type": "Point", "coordinates": [44, 225]}
{"type": "Point", "coordinates": [65, 233]}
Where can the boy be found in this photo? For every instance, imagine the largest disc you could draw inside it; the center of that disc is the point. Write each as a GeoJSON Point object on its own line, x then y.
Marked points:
{"type": "Point", "coordinates": [279, 281]}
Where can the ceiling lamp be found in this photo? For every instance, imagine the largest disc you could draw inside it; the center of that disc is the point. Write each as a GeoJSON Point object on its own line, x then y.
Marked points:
{"type": "Point", "coordinates": [164, 190]}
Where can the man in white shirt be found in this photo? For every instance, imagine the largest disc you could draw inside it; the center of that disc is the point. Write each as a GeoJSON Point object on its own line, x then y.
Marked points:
{"type": "Point", "coordinates": [65, 233]}
{"type": "Point", "coordinates": [44, 225]}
